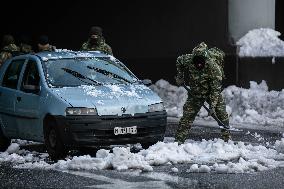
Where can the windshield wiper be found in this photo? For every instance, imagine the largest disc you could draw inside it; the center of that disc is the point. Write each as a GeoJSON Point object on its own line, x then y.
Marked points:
{"type": "Point", "coordinates": [116, 63]}
{"type": "Point", "coordinates": [109, 74]}
{"type": "Point", "coordinates": [80, 76]}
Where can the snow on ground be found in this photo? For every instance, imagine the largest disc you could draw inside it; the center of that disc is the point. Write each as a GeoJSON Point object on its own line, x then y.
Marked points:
{"type": "Point", "coordinates": [173, 97]}
{"type": "Point", "coordinates": [261, 42]}
{"type": "Point", "coordinates": [205, 156]}
{"type": "Point", "coordinates": [255, 105]}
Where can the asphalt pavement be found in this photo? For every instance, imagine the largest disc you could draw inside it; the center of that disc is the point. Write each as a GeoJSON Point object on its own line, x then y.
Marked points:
{"type": "Point", "coordinates": [161, 177]}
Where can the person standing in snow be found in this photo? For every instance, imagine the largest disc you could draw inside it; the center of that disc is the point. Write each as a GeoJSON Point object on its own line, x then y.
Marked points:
{"type": "Point", "coordinates": [202, 71]}
{"type": "Point", "coordinates": [43, 44]}
{"type": "Point", "coordinates": [25, 46]}
{"type": "Point", "coordinates": [9, 49]}
{"type": "Point", "coordinates": [96, 41]}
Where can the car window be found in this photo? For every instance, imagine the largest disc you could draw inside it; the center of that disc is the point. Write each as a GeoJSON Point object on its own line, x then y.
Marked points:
{"type": "Point", "coordinates": [31, 77]}
{"type": "Point", "coordinates": [12, 74]}
{"type": "Point", "coordinates": [86, 71]}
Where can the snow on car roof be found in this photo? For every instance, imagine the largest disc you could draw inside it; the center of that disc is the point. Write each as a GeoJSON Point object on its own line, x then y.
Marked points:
{"type": "Point", "coordinates": [64, 53]}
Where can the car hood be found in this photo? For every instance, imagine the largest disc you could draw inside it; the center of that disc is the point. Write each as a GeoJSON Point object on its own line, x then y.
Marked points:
{"type": "Point", "coordinates": [110, 99]}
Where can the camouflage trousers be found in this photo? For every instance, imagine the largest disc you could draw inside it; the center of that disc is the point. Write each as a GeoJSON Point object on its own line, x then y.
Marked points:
{"type": "Point", "coordinates": [191, 109]}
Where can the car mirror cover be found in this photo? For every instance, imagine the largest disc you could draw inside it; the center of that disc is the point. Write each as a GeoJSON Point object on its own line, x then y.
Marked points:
{"type": "Point", "coordinates": [147, 82]}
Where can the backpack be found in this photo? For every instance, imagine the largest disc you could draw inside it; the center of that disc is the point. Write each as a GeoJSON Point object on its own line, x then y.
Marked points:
{"type": "Point", "coordinates": [217, 55]}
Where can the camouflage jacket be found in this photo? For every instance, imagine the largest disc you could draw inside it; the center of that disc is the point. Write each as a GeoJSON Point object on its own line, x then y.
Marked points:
{"type": "Point", "coordinates": [46, 47]}
{"type": "Point", "coordinates": [102, 46]}
{"type": "Point", "coordinates": [8, 51]}
{"type": "Point", "coordinates": [205, 83]}
{"type": "Point", "coordinates": [25, 48]}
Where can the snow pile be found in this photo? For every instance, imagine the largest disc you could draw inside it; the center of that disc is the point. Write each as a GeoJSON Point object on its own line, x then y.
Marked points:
{"type": "Point", "coordinates": [255, 105]}
{"type": "Point", "coordinates": [174, 169]}
{"type": "Point", "coordinates": [279, 145]}
{"type": "Point", "coordinates": [199, 169]}
{"type": "Point", "coordinates": [173, 97]}
{"type": "Point", "coordinates": [120, 159]}
{"type": "Point", "coordinates": [13, 148]}
{"type": "Point", "coordinates": [261, 42]}
{"type": "Point", "coordinates": [205, 156]}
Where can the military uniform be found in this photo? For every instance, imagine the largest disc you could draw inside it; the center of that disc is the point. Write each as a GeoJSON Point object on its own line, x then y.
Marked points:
{"type": "Point", "coordinates": [46, 47]}
{"type": "Point", "coordinates": [100, 46]}
{"type": "Point", "coordinates": [205, 85]}
{"type": "Point", "coordinates": [26, 48]}
{"type": "Point", "coordinates": [96, 41]}
{"type": "Point", "coordinates": [7, 52]}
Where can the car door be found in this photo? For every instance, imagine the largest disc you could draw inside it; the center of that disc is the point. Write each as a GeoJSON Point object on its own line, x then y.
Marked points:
{"type": "Point", "coordinates": [8, 90]}
{"type": "Point", "coordinates": [27, 103]}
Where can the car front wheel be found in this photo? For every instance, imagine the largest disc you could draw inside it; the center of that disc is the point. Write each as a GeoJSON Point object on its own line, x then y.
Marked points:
{"type": "Point", "coordinates": [53, 142]}
{"type": "Point", "coordinates": [4, 142]}
{"type": "Point", "coordinates": [146, 145]}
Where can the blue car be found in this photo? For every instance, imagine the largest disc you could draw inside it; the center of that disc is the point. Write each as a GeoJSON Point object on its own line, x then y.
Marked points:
{"type": "Point", "coordinates": [68, 99]}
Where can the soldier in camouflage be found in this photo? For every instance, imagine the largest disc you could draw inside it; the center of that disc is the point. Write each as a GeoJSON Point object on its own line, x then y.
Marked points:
{"type": "Point", "coordinates": [9, 48]}
{"type": "Point", "coordinates": [202, 71]}
{"type": "Point", "coordinates": [25, 47]}
{"type": "Point", "coordinates": [96, 42]}
{"type": "Point", "coordinates": [43, 44]}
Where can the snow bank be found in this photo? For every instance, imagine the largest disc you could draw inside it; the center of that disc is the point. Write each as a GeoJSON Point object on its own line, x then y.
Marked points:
{"type": "Point", "coordinates": [255, 105]}
{"type": "Point", "coordinates": [205, 156]}
{"type": "Point", "coordinates": [173, 97]}
{"type": "Point", "coordinates": [260, 43]}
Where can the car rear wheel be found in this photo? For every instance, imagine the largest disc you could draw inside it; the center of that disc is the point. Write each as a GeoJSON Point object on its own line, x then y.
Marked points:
{"type": "Point", "coordinates": [4, 141]}
{"type": "Point", "coordinates": [54, 145]}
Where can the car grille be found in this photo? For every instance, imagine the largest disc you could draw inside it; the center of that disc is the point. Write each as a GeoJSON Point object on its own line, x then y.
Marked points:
{"type": "Point", "coordinates": [102, 128]}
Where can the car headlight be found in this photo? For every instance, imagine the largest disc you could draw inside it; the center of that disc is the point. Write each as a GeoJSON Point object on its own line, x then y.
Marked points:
{"type": "Point", "coordinates": [156, 107]}
{"type": "Point", "coordinates": [81, 111]}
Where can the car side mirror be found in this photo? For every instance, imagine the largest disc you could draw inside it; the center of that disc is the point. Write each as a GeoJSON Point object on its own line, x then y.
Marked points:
{"type": "Point", "coordinates": [147, 82]}
{"type": "Point", "coordinates": [32, 89]}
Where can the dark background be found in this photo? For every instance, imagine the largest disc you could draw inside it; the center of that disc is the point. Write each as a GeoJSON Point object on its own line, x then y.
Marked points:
{"type": "Point", "coordinates": [146, 35]}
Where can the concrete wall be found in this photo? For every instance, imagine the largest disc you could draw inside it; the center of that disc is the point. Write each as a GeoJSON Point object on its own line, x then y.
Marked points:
{"type": "Point", "coordinates": [245, 15]}
{"type": "Point", "coordinates": [261, 68]}
{"type": "Point", "coordinates": [279, 19]}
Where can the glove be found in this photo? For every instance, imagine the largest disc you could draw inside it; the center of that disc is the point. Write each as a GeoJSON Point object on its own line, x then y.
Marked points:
{"type": "Point", "coordinates": [179, 81]}
{"type": "Point", "coordinates": [211, 111]}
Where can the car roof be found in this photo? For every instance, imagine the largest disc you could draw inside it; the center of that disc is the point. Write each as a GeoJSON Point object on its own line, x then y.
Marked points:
{"type": "Point", "coordinates": [64, 54]}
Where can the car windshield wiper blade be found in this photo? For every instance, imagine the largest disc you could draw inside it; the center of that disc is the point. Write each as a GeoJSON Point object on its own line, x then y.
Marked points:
{"type": "Point", "coordinates": [116, 63]}
{"type": "Point", "coordinates": [80, 76]}
{"type": "Point", "coordinates": [109, 74]}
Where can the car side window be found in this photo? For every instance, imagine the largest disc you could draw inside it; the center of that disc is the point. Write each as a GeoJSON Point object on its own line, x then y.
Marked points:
{"type": "Point", "coordinates": [31, 78]}
{"type": "Point", "coordinates": [12, 74]}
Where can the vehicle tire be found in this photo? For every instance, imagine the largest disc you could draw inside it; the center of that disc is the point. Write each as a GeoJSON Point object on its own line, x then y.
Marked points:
{"type": "Point", "coordinates": [53, 142]}
{"type": "Point", "coordinates": [146, 145]}
{"type": "Point", "coordinates": [4, 141]}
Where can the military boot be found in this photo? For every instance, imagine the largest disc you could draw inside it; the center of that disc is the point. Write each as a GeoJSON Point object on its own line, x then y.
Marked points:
{"type": "Point", "coordinates": [182, 133]}
{"type": "Point", "coordinates": [226, 135]}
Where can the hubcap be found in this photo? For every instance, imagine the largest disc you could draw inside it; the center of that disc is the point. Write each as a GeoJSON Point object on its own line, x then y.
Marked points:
{"type": "Point", "coordinates": [52, 138]}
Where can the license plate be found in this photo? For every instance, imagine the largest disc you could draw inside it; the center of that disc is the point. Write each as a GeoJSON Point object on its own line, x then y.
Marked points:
{"type": "Point", "coordinates": [125, 130]}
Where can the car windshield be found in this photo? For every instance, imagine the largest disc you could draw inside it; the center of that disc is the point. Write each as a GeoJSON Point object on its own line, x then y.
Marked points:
{"type": "Point", "coordinates": [86, 71]}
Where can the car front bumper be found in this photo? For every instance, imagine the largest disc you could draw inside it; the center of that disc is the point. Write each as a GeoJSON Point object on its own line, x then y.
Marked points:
{"type": "Point", "coordinates": [89, 131]}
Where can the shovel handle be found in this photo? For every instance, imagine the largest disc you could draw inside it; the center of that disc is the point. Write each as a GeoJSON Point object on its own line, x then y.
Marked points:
{"type": "Point", "coordinates": [207, 109]}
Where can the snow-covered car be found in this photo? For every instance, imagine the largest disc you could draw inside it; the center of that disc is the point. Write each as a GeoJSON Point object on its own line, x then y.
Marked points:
{"type": "Point", "coordinates": [70, 99]}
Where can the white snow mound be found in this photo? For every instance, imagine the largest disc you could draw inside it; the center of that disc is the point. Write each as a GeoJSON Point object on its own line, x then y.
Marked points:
{"type": "Point", "coordinates": [256, 105]}
{"type": "Point", "coordinates": [261, 42]}
{"type": "Point", "coordinates": [205, 156]}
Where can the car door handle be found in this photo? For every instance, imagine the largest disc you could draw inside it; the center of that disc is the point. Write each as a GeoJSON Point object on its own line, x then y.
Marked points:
{"type": "Point", "coordinates": [19, 98]}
